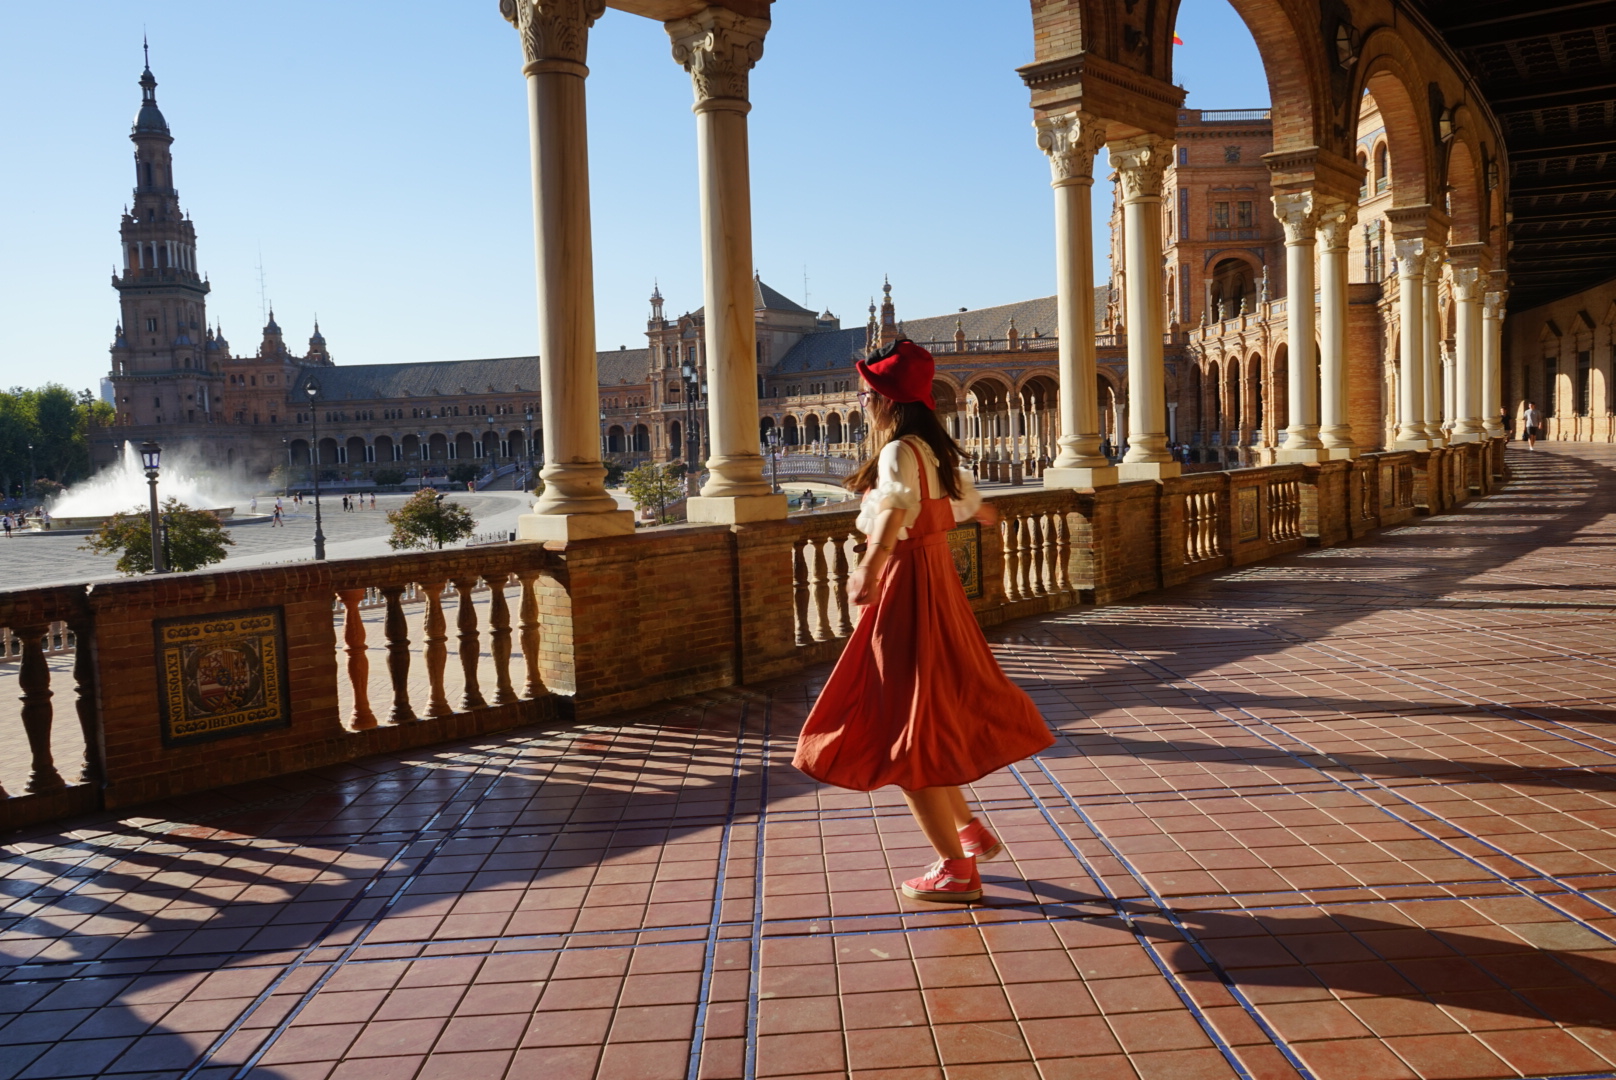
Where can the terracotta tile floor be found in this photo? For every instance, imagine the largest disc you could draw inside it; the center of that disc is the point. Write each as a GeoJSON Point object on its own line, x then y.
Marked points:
{"type": "Point", "coordinates": [1350, 816]}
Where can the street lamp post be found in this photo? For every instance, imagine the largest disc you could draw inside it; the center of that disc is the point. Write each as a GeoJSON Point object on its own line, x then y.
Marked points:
{"type": "Point", "coordinates": [314, 422]}
{"type": "Point", "coordinates": [527, 437]}
{"type": "Point", "coordinates": [28, 489]}
{"type": "Point", "coordinates": [491, 450]}
{"type": "Point", "coordinates": [151, 456]}
{"type": "Point", "coordinates": [421, 444]}
{"type": "Point", "coordinates": [774, 458]}
{"type": "Point", "coordinates": [692, 387]}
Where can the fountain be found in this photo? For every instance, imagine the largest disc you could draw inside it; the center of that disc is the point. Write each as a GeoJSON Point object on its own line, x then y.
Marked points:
{"type": "Point", "coordinates": [122, 487]}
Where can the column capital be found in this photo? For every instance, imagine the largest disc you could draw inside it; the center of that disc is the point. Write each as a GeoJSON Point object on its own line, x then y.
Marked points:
{"type": "Point", "coordinates": [1493, 304]}
{"type": "Point", "coordinates": [1467, 284]}
{"type": "Point", "coordinates": [1298, 213]}
{"type": "Point", "coordinates": [1070, 140]}
{"type": "Point", "coordinates": [1336, 219]}
{"type": "Point", "coordinates": [1434, 254]}
{"type": "Point", "coordinates": [555, 33]}
{"type": "Point", "coordinates": [719, 48]}
{"type": "Point", "coordinates": [1410, 255]}
{"type": "Point", "coordinates": [1141, 163]}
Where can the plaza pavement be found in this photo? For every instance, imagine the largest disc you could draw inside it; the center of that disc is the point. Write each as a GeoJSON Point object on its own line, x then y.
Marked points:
{"type": "Point", "coordinates": [1349, 815]}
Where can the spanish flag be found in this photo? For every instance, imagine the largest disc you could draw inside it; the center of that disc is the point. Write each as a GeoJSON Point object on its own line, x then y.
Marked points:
{"type": "Point", "coordinates": [1177, 40]}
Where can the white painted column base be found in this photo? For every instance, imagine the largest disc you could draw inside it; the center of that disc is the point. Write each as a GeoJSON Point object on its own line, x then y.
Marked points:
{"type": "Point", "coordinates": [1307, 455]}
{"type": "Point", "coordinates": [735, 509]}
{"type": "Point", "coordinates": [1340, 453]}
{"type": "Point", "coordinates": [1148, 470]}
{"type": "Point", "coordinates": [1412, 444]}
{"type": "Point", "coordinates": [1464, 437]}
{"type": "Point", "coordinates": [1080, 477]}
{"type": "Point", "coordinates": [568, 527]}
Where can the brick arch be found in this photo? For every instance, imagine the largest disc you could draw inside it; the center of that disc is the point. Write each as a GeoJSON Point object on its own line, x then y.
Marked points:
{"type": "Point", "coordinates": [1467, 193]}
{"type": "Point", "coordinates": [1294, 63]}
{"type": "Point", "coordinates": [1390, 74]}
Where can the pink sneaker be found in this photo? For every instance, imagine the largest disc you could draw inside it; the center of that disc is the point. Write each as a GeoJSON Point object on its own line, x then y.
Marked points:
{"type": "Point", "coordinates": [947, 879]}
{"type": "Point", "coordinates": [978, 843]}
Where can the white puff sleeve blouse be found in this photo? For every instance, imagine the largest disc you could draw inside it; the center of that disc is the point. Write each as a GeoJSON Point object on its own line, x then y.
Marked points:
{"type": "Point", "coordinates": [898, 486]}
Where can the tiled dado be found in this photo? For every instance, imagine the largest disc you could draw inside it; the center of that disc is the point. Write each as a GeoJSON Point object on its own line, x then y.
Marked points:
{"type": "Point", "coordinates": [1345, 816]}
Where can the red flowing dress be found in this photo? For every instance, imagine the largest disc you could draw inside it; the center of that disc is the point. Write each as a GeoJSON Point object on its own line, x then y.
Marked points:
{"type": "Point", "coordinates": [917, 699]}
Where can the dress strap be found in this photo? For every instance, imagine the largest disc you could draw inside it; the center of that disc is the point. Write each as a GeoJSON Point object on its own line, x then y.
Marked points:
{"type": "Point", "coordinates": [920, 467]}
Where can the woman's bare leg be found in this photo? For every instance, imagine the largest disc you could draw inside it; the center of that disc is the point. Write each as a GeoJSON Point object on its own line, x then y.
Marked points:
{"type": "Point", "coordinates": [962, 811]}
{"type": "Point", "coordinates": [933, 809]}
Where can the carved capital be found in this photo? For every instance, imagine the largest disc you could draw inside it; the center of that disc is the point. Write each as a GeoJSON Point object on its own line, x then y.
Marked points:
{"type": "Point", "coordinates": [553, 30]}
{"type": "Point", "coordinates": [1466, 284]}
{"type": "Point", "coordinates": [1492, 305]}
{"type": "Point", "coordinates": [1410, 257]}
{"type": "Point", "coordinates": [1298, 214]}
{"type": "Point", "coordinates": [1336, 220]}
{"type": "Point", "coordinates": [1433, 262]}
{"type": "Point", "coordinates": [718, 48]}
{"type": "Point", "coordinates": [1071, 140]}
{"type": "Point", "coordinates": [1140, 163]}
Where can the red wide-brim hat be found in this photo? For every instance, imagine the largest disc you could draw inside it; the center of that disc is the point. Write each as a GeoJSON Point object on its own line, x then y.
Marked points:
{"type": "Point", "coordinates": [903, 375]}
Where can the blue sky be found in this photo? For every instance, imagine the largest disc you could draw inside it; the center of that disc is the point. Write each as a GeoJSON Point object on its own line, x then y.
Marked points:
{"type": "Point", "coordinates": [375, 161]}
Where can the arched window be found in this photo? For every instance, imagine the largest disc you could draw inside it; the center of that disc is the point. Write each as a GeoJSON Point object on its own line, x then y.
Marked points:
{"type": "Point", "coordinates": [1383, 172]}
{"type": "Point", "coordinates": [1363, 188]}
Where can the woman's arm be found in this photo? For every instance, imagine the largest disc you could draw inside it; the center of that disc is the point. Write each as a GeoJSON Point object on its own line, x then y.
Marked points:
{"type": "Point", "coordinates": [862, 581]}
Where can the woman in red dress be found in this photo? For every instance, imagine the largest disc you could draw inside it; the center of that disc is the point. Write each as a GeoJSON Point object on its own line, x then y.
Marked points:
{"type": "Point", "coordinates": [917, 699]}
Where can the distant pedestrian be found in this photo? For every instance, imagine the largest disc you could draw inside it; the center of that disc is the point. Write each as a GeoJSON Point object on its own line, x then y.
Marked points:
{"type": "Point", "coordinates": [255, 504]}
{"type": "Point", "coordinates": [1532, 419]}
{"type": "Point", "coordinates": [373, 500]}
{"type": "Point", "coordinates": [6, 522]}
{"type": "Point", "coordinates": [275, 519]}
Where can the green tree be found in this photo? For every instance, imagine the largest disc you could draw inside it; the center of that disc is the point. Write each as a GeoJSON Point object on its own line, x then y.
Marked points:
{"type": "Point", "coordinates": [428, 520]}
{"type": "Point", "coordinates": [614, 474]}
{"type": "Point", "coordinates": [58, 424]}
{"type": "Point", "coordinates": [389, 477]}
{"type": "Point", "coordinates": [194, 538]}
{"type": "Point", "coordinates": [463, 472]}
{"type": "Point", "coordinates": [653, 487]}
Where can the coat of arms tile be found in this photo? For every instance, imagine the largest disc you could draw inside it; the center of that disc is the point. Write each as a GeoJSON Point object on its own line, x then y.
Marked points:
{"type": "Point", "coordinates": [222, 675]}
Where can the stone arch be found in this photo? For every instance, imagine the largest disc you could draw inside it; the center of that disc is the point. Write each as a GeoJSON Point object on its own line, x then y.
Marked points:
{"type": "Point", "coordinates": [789, 431]}
{"type": "Point", "coordinates": [833, 428]}
{"type": "Point", "coordinates": [1254, 397]}
{"type": "Point", "coordinates": [641, 439]}
{"type": "Point", "coordinates": [810, 428]}
{"type": "Point", "coordinates": [1388, 72]}
{"type": "Point", "coordinates": [1279, 407]}
{"type": "Point", "coordinates": [1234, 278]}
{"type": "Point", "coordinates": [437, 447]}
{"type": "Point", "coordinates": [676, 437]}
{"type": "Point", "coordinates": [615, 439]}
{"type": "Point", "coordinates": [384, 448]}
{"type": "Point", "coordinates": [355, 446]}
{"type": "Point", "coordinates": [465, 446]}
{"type": "Point", "coordinates": [298, 451]}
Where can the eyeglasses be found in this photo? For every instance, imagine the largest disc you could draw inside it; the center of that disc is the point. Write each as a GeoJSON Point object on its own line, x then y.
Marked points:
{"type": "Point", "coordinates": [864, 397]}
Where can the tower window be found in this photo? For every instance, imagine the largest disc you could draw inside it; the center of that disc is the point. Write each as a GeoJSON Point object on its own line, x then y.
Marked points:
{"type": "Point", "coordinates": [1243, 215]}
{"type": "Point", "coordinates": [1220, 215]}
{"type": "Point", "coordinates": [151, 326]}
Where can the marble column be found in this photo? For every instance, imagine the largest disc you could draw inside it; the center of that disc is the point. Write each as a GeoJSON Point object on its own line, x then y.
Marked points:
{"type": "Point", "coordinates": [1298, 212]}
{"type": "Point", "coordinates": [719, 47]}
{"type": "Point", "coordinates": [1335, 230]}
{"type": "Point", "coordinates": [1432, 327]}
{"type": "Point", "coordinates": [1071, 140]}
{"type": "Point", "coordinates": [1140, 163]}
{"type": "Point", "coordinates": [1411, 433]}
{"type": "Point", "coordinates": [575, 505]}
{"type": "Point", "coordinates": [1467, 344]}
{"type": "Point", "coordinates": [1492, 339]}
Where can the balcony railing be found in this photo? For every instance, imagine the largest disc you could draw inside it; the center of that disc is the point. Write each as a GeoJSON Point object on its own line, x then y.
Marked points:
{"type": "Point", "coordinates": [384, 654]}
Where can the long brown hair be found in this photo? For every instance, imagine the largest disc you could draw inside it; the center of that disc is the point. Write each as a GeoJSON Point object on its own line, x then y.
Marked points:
{"type": "Point", "coordinates": [891, 420]}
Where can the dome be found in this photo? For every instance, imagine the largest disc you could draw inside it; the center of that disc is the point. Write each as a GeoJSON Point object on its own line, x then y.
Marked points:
{"type": "Point", "coordinates": [149, 121]}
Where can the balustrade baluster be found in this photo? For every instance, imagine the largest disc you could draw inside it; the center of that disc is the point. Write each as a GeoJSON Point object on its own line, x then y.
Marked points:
{"type": "Point", "coordinates": [397, 632]}
{"type": "Point", "coordinates": [353, 636]}
{"type": "Point", "coordinates": [821, 579]}
{"type": "Point", "coordinates": [1033, 538]}
{"type": "Point", "coordinates": [1025, 569]}
{"type": "Point", "coordinates": [470, 654]}
{"type": "Point", "coordinates": [839, 570]}
{"type": "Point", "coordinates": [33, 678]}
{"type": "Point", "coordinates": [1063, 551]}
{"type": "Point", "coordinates": [1007, 541]}
{"type": "Point", "coordinates": [499, 622]}
{"type": "Point", "coordinates": [437, 649]}
{"type": "Point", "coordinates": [529, 616]}
{"type": "Point", "coordinates": [800, 592]}
{"type": "Point", "coordinates": [84, 701]}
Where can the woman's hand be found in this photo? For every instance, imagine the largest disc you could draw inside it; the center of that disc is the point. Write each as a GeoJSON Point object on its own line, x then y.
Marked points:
{"type": "Point", "coordinates": [861, 586]}
{"type": "Point", "coordinates": [987, 515]}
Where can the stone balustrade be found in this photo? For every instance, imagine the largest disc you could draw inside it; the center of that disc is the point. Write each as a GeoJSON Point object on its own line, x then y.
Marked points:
{"type": "Point", "coordinates": [382, 654]}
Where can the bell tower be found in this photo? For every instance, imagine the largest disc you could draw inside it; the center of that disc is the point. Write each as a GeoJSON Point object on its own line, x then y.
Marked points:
{"type": "Point", "coordinates": [160, 367]}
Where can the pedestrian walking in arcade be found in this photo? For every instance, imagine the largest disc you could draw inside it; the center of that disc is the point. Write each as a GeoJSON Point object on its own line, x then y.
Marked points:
{"type": "Point", "coordinates": [917, 699]}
